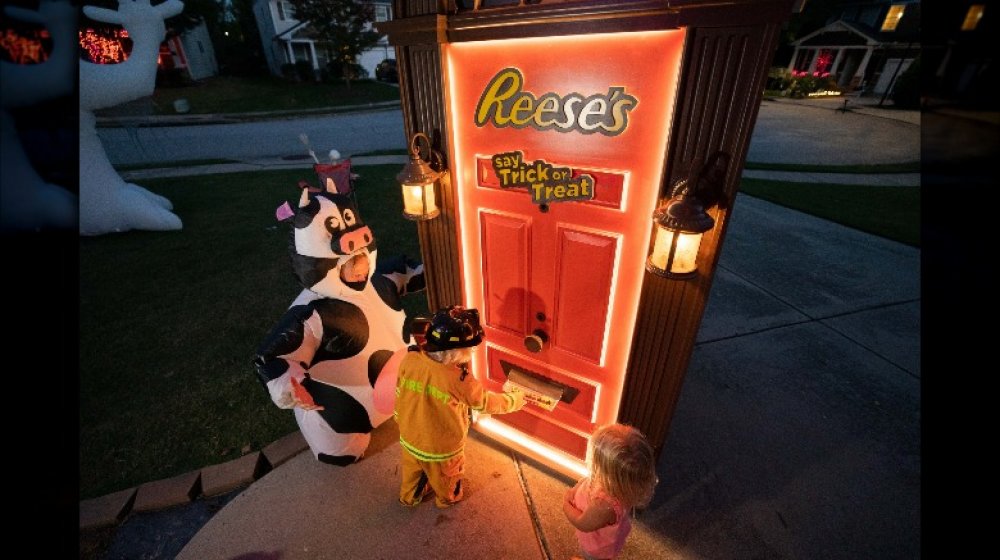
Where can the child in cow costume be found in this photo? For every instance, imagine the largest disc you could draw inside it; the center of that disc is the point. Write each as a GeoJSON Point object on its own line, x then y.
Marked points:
{"type": "Point", "coordinates": [325, 355]}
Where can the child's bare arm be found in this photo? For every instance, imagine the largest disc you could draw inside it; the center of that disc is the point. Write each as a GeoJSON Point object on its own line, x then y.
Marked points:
{"type": "Point", "coordinates": [598, 514]}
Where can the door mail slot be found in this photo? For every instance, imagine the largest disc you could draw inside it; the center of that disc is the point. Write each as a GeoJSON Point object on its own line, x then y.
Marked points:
{"type": "Point", "coordinates": [576, 404]}
{"type": "Point", "coordinates": [538, 389]}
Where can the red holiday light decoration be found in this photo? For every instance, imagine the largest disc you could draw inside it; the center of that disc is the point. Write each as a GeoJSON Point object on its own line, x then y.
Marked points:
{"type": "Point", "coordinates": [105, 46]}
{"type": "Point", "coordinates": [29, 47]}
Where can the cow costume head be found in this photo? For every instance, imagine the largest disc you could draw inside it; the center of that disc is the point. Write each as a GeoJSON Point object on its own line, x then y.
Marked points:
{"type": "Point", "coordinates": [333, 251]}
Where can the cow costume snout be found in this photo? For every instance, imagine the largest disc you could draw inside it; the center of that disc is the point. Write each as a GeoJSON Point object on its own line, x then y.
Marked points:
{"type": "Point", "coordinates": [354, 240]}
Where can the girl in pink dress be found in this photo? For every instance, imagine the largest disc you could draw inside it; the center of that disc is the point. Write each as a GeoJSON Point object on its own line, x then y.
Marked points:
{"type": "Point", "coordinates": [622, 477]}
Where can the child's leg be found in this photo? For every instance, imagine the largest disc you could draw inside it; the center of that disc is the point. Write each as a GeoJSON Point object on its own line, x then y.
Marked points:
{"type": "Point", "coordinates": [446, 479]}
{"type": "Point", "coordinates": [414, 484]}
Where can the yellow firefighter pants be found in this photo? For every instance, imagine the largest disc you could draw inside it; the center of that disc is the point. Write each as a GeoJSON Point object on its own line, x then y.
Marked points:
{"type": "Point", "coordinates": [420, 477]}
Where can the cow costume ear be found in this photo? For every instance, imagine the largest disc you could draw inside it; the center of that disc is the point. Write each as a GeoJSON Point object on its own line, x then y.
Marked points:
{"type": "Point", "coordinates": [284, 212]}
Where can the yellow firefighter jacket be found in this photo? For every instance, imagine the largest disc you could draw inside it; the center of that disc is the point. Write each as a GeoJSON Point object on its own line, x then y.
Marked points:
{"type": "Point", "coordinates": [432, 407]}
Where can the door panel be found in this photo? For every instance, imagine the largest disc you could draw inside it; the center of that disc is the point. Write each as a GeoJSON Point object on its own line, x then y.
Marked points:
{"type": "Point", "coordinates": [505, 250]}
{"type": "Point", "coordinates": [585, 266]}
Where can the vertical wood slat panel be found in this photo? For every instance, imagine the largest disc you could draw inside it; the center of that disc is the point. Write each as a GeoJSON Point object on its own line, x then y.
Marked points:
{"type": "Point", "coordinates": [724, 71]}
{"type": "Point", "coordinates": [425, 113]}
{"type": "Point", "coordinates": [410, 8]}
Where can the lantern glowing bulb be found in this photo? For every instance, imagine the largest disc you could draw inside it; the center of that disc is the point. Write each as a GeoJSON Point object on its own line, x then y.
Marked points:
{"type": "Point", "coordinates": [417, 179]}
{"type": "Point", "coordinates": [680, 224]}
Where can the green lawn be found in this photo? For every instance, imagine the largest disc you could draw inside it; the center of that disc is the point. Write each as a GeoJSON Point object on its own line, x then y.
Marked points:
{"type": "Point", "coordinates": [228, 94]}
{"type": "Point", "coordinates": [170, 321]}
{"type": "Point", "coordinates": [890, 212]}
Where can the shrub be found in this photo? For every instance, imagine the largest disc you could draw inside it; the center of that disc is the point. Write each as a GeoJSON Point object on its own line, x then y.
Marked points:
{"type": "Point", "coordinates": [304, 69]}
{"type": "Point", "coordinates": [334, 71]}
{"type": "Point", "coordinates": [804, 84]}
{"type": "Point", "coordinates": [172, 77]}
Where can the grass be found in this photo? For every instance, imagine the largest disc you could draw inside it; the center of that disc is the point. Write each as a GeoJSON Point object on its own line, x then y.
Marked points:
{"type": "Point", "coordinates": [229, 94]}
{"type": "Point", "coordinates": [389, 152]}
{"type": "Point", "coordinates": [170, 321]}
{"type": "Point", "coordinates": [890, 212]}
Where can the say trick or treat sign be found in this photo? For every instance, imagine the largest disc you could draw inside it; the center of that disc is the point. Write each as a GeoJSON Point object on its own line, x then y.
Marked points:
{"type": "Point", "coordinates": [546, 182]}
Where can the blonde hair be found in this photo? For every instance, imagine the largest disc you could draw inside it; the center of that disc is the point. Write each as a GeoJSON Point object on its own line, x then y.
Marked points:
{"type": "Point", "coordinates": [453, 356]}
{"type": "Point", "coordinates": [622, 463]}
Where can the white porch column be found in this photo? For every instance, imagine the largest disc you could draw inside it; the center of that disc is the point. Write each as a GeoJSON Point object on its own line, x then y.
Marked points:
{"type": "Point", "coordinates": [812, 63]}
{"type": "Point", "coordinates": [837, 59]}
{"type": "Point", "coordinates": [312, 52]}
{"type": "Point", "coordinates": [795, 56]}
{"type": "Point", "coordinates": [864, 63]}
{"type": "Point", "coordinates": [291, 52]}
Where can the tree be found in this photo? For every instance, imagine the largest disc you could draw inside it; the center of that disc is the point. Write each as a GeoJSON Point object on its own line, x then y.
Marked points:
{"type": "Point", "coordinates": [342, 27]}
{"type": "Point", "coordinates": [241, 51]}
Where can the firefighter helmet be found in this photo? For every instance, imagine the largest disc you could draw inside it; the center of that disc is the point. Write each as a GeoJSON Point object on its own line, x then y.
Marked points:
{"type": "Point", "coordinates": [453, 327]}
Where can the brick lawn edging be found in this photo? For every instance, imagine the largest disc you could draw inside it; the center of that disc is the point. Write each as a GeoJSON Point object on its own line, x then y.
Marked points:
{"type": "Point", "coordinates": [208, 481]}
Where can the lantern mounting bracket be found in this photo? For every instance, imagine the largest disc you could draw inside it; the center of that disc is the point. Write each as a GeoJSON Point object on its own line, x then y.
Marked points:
{"type": "Point", "coordinates": [705, 180]}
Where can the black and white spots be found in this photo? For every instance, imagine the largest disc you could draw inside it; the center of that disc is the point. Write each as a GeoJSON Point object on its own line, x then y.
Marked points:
{"type": "Point", "coordinates": [341, 331]}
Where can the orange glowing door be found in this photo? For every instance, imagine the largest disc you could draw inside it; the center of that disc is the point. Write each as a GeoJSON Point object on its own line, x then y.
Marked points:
{"type": "Point", "coordinates": [558, 283]}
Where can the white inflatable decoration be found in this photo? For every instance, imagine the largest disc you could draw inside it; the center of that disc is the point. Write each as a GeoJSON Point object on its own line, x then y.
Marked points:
{"type": "Point", "coordinates": [107, 202]}
{"type": "Point", "coordinates": [26, 200]}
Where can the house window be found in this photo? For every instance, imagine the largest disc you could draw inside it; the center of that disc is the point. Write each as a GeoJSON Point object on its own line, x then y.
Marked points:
{"type": "Point", "coordinates": [972, 17]}
{"type": "Point", "coordinates": [285, 11]}
{"type": "Point", "coordinates": [892, 18]}
{"type": "Point", "coordinates": [381, 12]}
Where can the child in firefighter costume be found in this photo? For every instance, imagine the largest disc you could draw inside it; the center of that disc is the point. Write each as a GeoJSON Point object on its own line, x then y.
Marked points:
{"type": "Point", "coordinates": [434, 396]}
{"type": "Point", "coordinates": [328, 350]}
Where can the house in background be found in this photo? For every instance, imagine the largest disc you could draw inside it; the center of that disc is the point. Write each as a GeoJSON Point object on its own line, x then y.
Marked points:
{"type": "Point", "coordinates": [959, 52]}
{"type": "Point", "coordinates": [287, 40]}
{"type": "Point", "coordinates": [191, 52]}
{"type": "Point", "coordinates": [865, 47]}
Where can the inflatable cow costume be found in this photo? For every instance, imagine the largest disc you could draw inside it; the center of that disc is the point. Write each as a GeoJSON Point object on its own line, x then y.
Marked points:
{"type": "Point", "coordinates": [324, 357]}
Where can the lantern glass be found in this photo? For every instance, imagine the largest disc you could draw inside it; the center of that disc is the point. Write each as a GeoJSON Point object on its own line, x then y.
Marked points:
{"type": "Point", "coordinates": [685, 253]}
{"type": "Point", "coordinates": [419, 201]}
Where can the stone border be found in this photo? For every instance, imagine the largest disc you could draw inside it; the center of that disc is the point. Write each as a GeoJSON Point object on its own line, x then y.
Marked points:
{"type": "Point", "coordinates": [212, 480]}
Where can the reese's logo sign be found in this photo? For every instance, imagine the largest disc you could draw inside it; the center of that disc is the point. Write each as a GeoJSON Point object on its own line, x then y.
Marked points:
{"type": "Point", "coordinates": [504, 103]}
{"type": "Point", "coordinates": [544, 181]}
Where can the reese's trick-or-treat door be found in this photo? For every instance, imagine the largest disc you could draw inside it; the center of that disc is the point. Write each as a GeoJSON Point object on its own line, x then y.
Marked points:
{"type": "Point", "coordinates": [558, 153]}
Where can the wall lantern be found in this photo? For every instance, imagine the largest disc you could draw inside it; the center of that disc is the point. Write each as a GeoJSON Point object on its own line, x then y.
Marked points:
{"type": "Point", "coordinates": [682, 220]}
{"type": "Point", "coordinates": [418, 179]}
